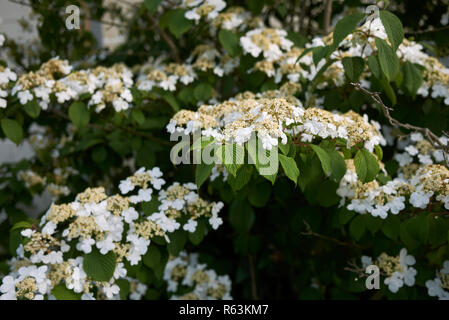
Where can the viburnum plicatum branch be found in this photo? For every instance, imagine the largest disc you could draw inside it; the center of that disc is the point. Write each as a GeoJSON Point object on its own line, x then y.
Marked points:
{"type": "Point", "coordinates": [431, 137]}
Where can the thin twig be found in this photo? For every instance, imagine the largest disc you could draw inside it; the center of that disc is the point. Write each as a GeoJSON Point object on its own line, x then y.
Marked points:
{"type": "Point", "coordinates": [252, 273]}
{"type": "Point", "coordinates": [327, 16]}
{"type": "Point", "coordinates": [309, 232]}
{"type": "Point", "coordinates": [431, 137]}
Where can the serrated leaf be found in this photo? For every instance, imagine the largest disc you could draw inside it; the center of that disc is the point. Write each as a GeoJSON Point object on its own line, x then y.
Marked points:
{"type": "Point", "coordinates": [202, 172]}
{"type": "Point", "coordinates": [338, 165]}
{"type": "Point", "coordinates": [241, 216]}
{"type": "Point", "coordinates": [357, 227]}
{"type": "Point", "coordinates": [388, 60]}
{"type": "Point", "coordinates": [354, 67]}
{"type": "Point", "coordinates": [203, 91]}
{"type": "Point", "coordinates": [259, 194]}
{"type": "Point", "coordinates": [324, 158]}
{"type": "Point", "coordinates": [178, 240]}
{"type": "Point", "coordinates": [198, 235]}
{"type": "Point", "coordinates": [393, 28]}
{"type": "Point", "coordinates": [61, 292]}
{"type": "Point", "coordinates": [13, 130]}
{"type": "Point", "coordinates": [21, 225]}
{"type": "Point", "coordinates": [345, 26]}
{"type": "Point", "coordinates": [290, 168]}
{"type": "Point", "coordinates": [152, 5]}
{"type": "Point", "coordinates": [374, 66]}
{"type": "Point", "coordinates": [32, 108]}
{"type": "Point", "coordinates": [99, 267]}
{"type": "Point", "coordinates": [366, 165]}
{"type": "Point", "coordinates": [413, 77]}
{"type": "Point", "coordinates": [242, 177]}
{"type": "Point", "coordinates": [230, 42]}
{"type": "Point", "coordinates": [153, 257]}
{"type": "Point", "coordinates": [178, 24]}
{"type": "Point", "coordinates": [79, 115]}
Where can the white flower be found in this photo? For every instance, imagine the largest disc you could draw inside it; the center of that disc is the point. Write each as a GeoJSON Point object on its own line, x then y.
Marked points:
{"type": "Point", "coordinates": [190, 226]}
{"type": "Point", "coordinates": [25, 96]}
{"type": "Point", "coordinates": [130, 215]}
{"type": "Point", "coordinates": [85, 245]}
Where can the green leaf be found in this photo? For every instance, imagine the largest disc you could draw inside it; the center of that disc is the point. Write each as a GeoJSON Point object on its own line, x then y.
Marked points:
{"type": "Point", "coordinates": [79, 115]}
{"type": "Point", "coordinates": [353, 67]}
{"type": "Point", "coordinates": [138, 116]}
{"type": "Point", "coordinates": [269, 165]}
{"type": "Point", "coordinates": [338, 165]}
{"type": "Point", "coordinates": [389, 62]}
{"type": "Point", "coordinates": [32, 108]}
{"type": "Point", "coordinates": [242, 177]}
{"type": "Point", "coordinates": [21, 225]}
{"type": "Point", "coordinates": [345, 215]}
{"type": "Point", "coordinates": [374, 66]}
{"type": "Point", "coordinates": [319, 53]}
{"type": "Point", "coordinates": [202, 172]}
{"type": "Point", "coordinates": [373, 224]}
{"type": "Point", "coordinates": [198, 235]}
{"type": "Point", "coordinates": [393, 28]}
{"type": "Point", "coordinates": [171, 100]}
{"type": "Point", "coordinates": [413, 77]}
{"type": "Point", "coordinates": [241, 216]}
{"type": "Point", "coordinates": [366, 165]}
{"type": "Point", "coordinates": [61, 292]}
{"type": "Point", "coordinates": [203, 91]}
{"type": "Point", "coordinates": [345, 26]}
{"type": "Point", "coordinates": [418, 227]}
{"type": "Point", "coordinates": [124, 286]}
{"type": "Point", "coordinates": [15, 239]}
{"type": "Point", "coordinates": [13, 130]}
{"type": "Point", "coordinates": [99, 267]}
{"type": "Point", "coordinates": [391, 227]}
{"type": "Point", "coordinates": [232, 156]}
{"type": "Point", "coordinates": [178, 24]}
{"type": "Point", "coordinates": [152, 5]}
{"type": "Point", "coordinates": [357, 227]}
{"type": "Point", "coordinates": [230, 42]}
{"type": "Point", "coordinates": [379, 152]}
{"type": "Point", "coordinates": [259, 194]}
{"type": "Point", "coordinates": [324, 158]}
{"type": "Point", "coordinates": [152, 258]}
{"type": "Point", "coordinates": [290, 168]}
{"type": "Point", "coordinates": [178, 240]}
{"type": "Point", "coordinates": [406, 238]}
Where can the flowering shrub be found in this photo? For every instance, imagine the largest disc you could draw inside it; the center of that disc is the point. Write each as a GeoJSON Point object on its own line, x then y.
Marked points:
{"type": "Point", "coordinates": [294, 162]}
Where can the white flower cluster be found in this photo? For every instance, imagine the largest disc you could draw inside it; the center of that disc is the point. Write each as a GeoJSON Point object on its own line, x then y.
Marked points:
{"type": "Point", "coordinates": [107, 225]}
{"type": "Point", "coordinates": [271, 115]}
{"type": "Point", "coordinates": [185, 271]}
{"type": "Point", "coordinates": [429, 181]}
{"type": "Point", "coordinates": [234, 18]}
{"type": "Point", "coordinates": [207, 57]}
{"type": "Point", "coordinates": [55, 183]}
{"type": "Point", "coordinates": [6, 76]}
{"type": "Point", "coordinates": [267, 41]}
{"type": "Point", "coordinates": [419, 149]}
{"type": "Point", "coordinates": [164, 76]}
{"type": "Point", "coordinates": [207, 9]}
{"type": "Point", "coordinates": [396, 269]}
{"type": "Point", "coordinates": [56, 79]}
{"type": "Point", "coordinates": [439, 287]}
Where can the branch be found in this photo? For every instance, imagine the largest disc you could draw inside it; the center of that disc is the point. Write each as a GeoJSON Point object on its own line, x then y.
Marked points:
{"type": "Point", "coordinates": [147, 136]}
{"type": "Point", "coordinates": [252, 273]}
{"type": "Point", "coordinates": [309, 232]}
{"type": "Point", "coordinates": [431, 137]}
{"type": "Point", "coordinates": [327, 16]}
{"type": "Point", "coordinates": [162, 33]}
